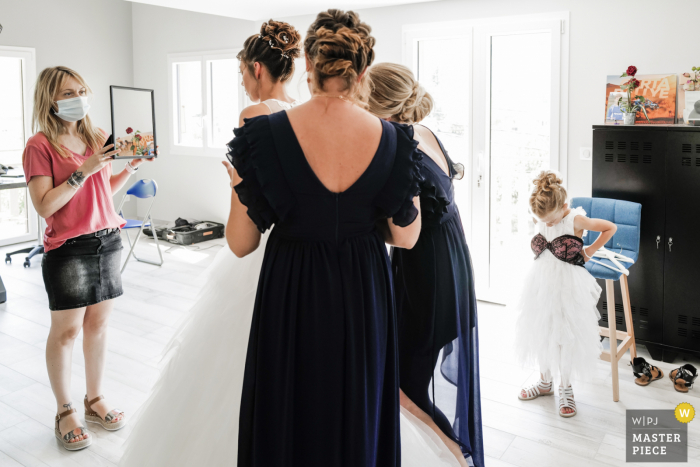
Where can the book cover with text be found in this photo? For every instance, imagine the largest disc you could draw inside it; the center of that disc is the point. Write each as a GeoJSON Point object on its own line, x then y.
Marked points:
{"type": "Point", "coordinates": [659, 92]}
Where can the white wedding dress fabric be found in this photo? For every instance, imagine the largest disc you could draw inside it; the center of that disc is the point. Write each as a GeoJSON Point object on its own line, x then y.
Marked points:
{"type": "Point", "coordinates": [191, 416]}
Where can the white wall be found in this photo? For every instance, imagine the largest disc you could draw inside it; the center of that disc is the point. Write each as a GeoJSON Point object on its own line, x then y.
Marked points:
{"type": "Point", "coordinates": [93, 37]}
{"type": "Point", "coordinates": [603, 41]}
{"type": "Point", "coordinates": [189, 186]}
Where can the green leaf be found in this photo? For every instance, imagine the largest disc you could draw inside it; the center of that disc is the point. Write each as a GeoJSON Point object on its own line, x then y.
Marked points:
{"type": "Point", "coordinates": [641, 98]}
{"type": "Point", "coordinates": [623, 74]}
{"type": "Point", "coordinates": [645, 114]}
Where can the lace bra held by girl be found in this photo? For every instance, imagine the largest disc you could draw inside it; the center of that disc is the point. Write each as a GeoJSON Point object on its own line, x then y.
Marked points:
{"type": "Point", "coordinates": [566, 248]}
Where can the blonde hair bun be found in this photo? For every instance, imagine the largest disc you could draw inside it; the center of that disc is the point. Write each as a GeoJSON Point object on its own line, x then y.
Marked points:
{"type": "Point", "coordinates": [397, 95]}
{"type": "Point", "coordinates": [549, 194]}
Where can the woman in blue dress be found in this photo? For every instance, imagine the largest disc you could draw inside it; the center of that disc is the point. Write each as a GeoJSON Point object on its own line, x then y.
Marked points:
{"type": "Point", "coordinates": [435, 299]}
{"type": "Point", "coordinates": [321, 375]}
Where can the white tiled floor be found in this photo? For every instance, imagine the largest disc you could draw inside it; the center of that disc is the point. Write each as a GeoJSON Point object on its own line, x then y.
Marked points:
{"type": "Point", "coordinates": [156, 299]}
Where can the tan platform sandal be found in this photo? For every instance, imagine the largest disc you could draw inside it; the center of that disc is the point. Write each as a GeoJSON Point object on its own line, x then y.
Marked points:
{"type": "Point", "coordinates": [683, 377]}
{"type": "Point", "coordinates": [74, 433]}
{"type": "Point", "coordinates": [93, 417]}
{"type": "Point", "coordinates": [644, 372]}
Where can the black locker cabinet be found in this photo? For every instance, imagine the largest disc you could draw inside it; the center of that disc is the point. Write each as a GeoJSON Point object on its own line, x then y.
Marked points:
{"type": "Point", "coordinates": [658, 167]}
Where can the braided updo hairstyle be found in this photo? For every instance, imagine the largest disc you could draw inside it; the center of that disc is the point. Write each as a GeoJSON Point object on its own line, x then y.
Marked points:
{"type": "Point", "coordinates": [549, 195]}
{"type": "Point", "coordinates": [340, 45]}
{"type": "Point", "coordinates": [397, 95]}
{"type": "Point", "coordinates": [276, 47]}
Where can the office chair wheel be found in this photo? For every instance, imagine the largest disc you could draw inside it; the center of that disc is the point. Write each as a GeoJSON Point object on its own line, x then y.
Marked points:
{"type": "Point", "coordinates": [27, 263]}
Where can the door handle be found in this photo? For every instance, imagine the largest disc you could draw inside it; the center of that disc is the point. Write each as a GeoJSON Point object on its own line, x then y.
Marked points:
{"type": "Point", "coordinates": [670, 243]}
{"type": "Point", "coordinates": [658, 240]}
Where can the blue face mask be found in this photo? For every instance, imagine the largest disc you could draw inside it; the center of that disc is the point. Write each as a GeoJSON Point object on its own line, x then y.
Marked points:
{"type": "Point", "coordinates": [72, 110]}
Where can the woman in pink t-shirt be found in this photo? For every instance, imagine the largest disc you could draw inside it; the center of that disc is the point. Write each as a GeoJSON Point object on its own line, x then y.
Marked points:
{"type": "Point", "coordinates": [71, 184]}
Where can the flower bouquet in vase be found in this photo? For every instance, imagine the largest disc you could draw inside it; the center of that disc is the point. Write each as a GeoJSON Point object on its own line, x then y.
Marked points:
{"type": "Point", "coordinates": [630, 107]}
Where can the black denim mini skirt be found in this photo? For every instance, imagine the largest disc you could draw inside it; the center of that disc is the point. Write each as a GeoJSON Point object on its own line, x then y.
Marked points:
{"type": "Point", "coordinates": [83, 271]}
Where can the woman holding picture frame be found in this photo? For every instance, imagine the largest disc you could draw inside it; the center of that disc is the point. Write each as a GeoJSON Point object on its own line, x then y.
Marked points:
{"type": "Point", "coordinates": [70, 180]}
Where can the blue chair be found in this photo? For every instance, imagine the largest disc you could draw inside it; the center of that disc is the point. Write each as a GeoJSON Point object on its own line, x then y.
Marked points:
{"type": "Point", "coordinates": [627, 216]}
{"type": "Point", "coordinates": [141, 189]}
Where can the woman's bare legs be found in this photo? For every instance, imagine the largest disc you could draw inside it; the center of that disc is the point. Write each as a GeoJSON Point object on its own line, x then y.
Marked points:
{"type": "Point", "coordinates": [95, 351]}
{"type": "Point", "coordinates": [416, 411]}
{"type": "Point", "coordinates": [65, 327]}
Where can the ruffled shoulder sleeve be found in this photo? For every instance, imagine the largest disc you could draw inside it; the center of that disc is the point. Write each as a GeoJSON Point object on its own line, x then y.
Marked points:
{"type": "Point", "coordinates": [395, 200]}
{"type": "Point", "coordinates": [434, 200]}
{"type": "Point", "coordinates": [264, 189]}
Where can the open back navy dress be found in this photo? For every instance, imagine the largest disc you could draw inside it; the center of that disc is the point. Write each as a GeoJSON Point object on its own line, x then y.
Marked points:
{"type": "Point", "coordinates": [321, 375]}
{"type": "Point", "coordinates": [436, 309]}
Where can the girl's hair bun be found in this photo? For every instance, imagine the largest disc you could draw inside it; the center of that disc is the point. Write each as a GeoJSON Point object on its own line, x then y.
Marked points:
{"type": "Point", "coordinates": [275, 47]}
{"type": "Point", "coordinates": [340, 45]}
{"type": "Point", "coordinates": [549, 194]}
{"type": "Point", "coordinates": [283, 36]}
{"type": "Point", "coordinates": [397, 95]}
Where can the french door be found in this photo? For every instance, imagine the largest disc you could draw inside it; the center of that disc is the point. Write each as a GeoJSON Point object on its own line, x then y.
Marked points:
{"type": "Point", "coordinates": [18, 219]}
{"type": "Point", "coordinates": [498, 94]}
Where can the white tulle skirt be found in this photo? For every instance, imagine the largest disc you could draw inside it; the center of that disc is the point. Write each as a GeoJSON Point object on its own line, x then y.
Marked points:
{"type": "Point", "coordinates": [191, 417]}
{"type": "Point", "coordinates": [557, 326]}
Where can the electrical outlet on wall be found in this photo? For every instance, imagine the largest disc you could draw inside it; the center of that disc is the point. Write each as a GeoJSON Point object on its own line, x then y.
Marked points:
{"type": "Point", "coordinates": [586, 154]}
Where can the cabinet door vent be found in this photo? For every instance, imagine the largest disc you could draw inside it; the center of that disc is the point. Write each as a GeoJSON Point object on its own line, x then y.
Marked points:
{"type": "Point", "coordinates": [695, 335]}
{"type": "Point", "coordinates": [644, 326]}
{"type": "Point", "coordinates": [634, 146]}
{"type": "Point", "coordinates": [685, 161]}
{"type": "Point", "coordinates": [682, 319]}
{"type": "Point", "coordinates": [697, 148]}
{"type": "Point", "coordinates": [622, 158]}
{"type": "Point", "coordinates": [619, 308]}
{"type": "Point", "coordinates": [647, 145]}
{"type": "Point", "coordinates": [619, 320]}
{"type": "Point", "coordinates": [697, 162]}
{"type": "Point", "coordinates": [634, 158]}
{"type": "Point", "coordinates": [643, 311]}
{"type": "Point", "coordinates": [604, 317]}
{"type": "Point", "coordinates": [605, 305]}
{"type": "Point", "coordinates": [621, 145]}
{"type": "Point", "coordinates": [682, 332]}
{"type": "Point", "coordinates": [609, 145]}
{"type": "Point", "coordinates": [686, 147]}
{"type": "Point", "coordinates": [695, 321]}
{"type": "Point", "coordinates": [609, 158]}
{"type": "Point", "coordinates": [646, 158]}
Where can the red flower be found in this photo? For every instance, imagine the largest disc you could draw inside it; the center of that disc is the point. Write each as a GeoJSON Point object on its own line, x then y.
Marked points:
{"type": "Point", "coordinates": [636, 82]}
{"type": "Point", "coordinates": [129, 131]}
{"type": "Point", "coordinates": [138, 137]}
{"type": "Point", "coordinates": [631, 70]}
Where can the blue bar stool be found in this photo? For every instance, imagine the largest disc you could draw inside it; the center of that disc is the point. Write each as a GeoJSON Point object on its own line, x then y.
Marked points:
{"type": "Point", "coordinates": [627, 216]}
{"type": "Point", "coordinates": [145, 188]}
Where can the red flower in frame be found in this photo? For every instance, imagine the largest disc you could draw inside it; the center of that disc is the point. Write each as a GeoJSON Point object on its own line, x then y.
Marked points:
{"type": "Point", "coordinates": [631, 70]}
{"type": "Point", "coordinates": [129, 130]}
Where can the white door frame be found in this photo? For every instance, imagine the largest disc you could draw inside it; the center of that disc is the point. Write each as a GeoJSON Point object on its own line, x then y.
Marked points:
{"type": "Point", "coordinates": [476, 215]}
{"type": "Point", "coordinates": [28, 57]}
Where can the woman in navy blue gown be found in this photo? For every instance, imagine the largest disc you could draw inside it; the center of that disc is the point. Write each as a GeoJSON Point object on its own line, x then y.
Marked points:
{"type": "Point", "coordinates": [435, 299]}
{"type": "Point", "coordinates": [321, 376]}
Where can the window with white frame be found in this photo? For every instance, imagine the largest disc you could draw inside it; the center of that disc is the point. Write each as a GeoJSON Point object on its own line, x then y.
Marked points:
{"type": "Point", "coordinates": [500, 107]}
{"type": "Point", "coordinates": [206, 97]}
{"type": "Point", "coordinates": [18, 219]}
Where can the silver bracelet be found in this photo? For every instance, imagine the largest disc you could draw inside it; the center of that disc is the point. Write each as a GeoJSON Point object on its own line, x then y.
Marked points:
{"type": "Point", "coordinates": [73, 182]}
{"type": "Point", "coordinates": [130, 168]}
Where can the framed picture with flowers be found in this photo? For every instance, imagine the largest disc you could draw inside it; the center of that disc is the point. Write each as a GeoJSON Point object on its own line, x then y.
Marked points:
{"type": "Point", "coordinates": [133, 122]}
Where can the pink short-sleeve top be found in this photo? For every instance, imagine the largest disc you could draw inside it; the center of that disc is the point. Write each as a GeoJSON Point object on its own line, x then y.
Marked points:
{"type": "Point", "coordinates": [90, 210]}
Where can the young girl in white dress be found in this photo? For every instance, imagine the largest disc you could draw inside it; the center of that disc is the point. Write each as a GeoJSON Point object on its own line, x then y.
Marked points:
{"type": "Point", "coordinates": [557, 327]}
